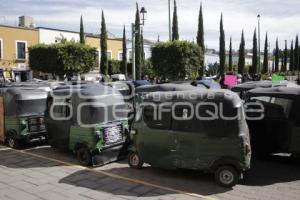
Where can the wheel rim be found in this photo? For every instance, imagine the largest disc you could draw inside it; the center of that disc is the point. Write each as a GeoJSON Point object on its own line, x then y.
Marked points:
{"type": "Point", "coordinates": [134, 160]}
{"type": "Point", "coordinates": [226, 177]}
{"type": "Point", "coordinates": [11, 142]}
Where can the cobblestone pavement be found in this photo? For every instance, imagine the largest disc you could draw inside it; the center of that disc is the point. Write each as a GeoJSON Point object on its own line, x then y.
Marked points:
{"type": "Point", "coordinates": [26, 176]}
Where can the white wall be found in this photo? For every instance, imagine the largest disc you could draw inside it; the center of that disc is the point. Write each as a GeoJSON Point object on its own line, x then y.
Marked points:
{"type": "Point", "coordinates": [51, 36]}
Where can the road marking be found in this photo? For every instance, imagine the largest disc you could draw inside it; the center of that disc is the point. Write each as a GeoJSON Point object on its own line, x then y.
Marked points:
{"type": "Point", "coordinates": [113, 175]}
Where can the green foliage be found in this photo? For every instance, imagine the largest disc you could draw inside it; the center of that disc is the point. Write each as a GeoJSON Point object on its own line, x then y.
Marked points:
{"type": "Point", "coordinates": [266, 56]}
{"type": "Point", "coordinates": [138, 43]}
{"type": "Point", "coordinates": [175, 31]}
{"type": "Point", "coordinates": [296, 55]}
{"type": "Point", "coordinates": [114, 66]}
{"type": "Point", "coordinates": [241, 64]}
{"type": "Point", "coordinates": [285, 58]}
{"type": "Point", "coordinates": [292, 56]}
{"type": "Point", "coordinates": [103, 45]}
{"type": "Point", "coordinates": [222, 47]}
{"type": "Point", "coordinates": [230, 66]}
{"type": "Point", "coordinates": [124, 54]}
{"type": "Point", "coordinates": [176, 60]}
{"type": "Point", "coordinates": [81, 33]}
{"type": "Point", "coordinates": [276, 57]}
{"type": "Point", "coordinates": [200, 38]}
{"type": "Point", "coordinates": [62, 58]}
{"type": "Point", "coordinates": [253, 69]}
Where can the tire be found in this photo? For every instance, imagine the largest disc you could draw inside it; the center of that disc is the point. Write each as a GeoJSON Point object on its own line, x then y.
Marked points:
{"type": "Point", "coordinates": [226, 176]}
{"type": "Point", "coordinates": [84, 156]}
{"type": "Point", "coordinates": [135, 161]}
{"type": "Point", "coordinates": [13, 142]}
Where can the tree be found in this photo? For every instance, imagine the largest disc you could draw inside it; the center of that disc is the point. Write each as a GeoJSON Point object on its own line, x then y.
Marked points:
{"type": "Point", "coordinates": [200, 38]}
{"type": "Point", "coordinates": [124, 53]}
{"type": "Point", "coordinates": [81, 34]}
{"type": "Point", "coordinates": [222, 47]}
{"type": "Point", "coordinates": [266, 56]}
{"type": "Point", "coordinates": [62, 58]}
{"type": "Point", "coordinates": [254, 56]}
{"type": "Point", "coordinates": [241, 64]}
{"type": "Point", "coordinates": [230, 56]}
{"type": "Point", "coordinates": [276, 57]}
{"type": "Point", "coordinates": [142, 50]}
{"type": "Point", "coordinates": [103, 45]}
{"type": "Point", "coordinates": [176, 60]}
{"type": "Point", "coordinates": [285, 58]}
{"type": "Point", "coordinates": [296, 55]}
{"type": "Point", "coordinates": [175, 31]}
{"type": "Point", "coordinates": [138, 43]}
{"type": "Point", "coordinates": [292, 56]}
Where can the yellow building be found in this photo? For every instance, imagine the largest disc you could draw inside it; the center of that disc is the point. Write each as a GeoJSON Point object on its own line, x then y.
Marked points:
{"type": "Point", "coordinates": [14, 43]}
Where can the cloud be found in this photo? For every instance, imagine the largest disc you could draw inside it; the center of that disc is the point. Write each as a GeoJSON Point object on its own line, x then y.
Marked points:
{"type": "Point", "coordinates": [279, 18]}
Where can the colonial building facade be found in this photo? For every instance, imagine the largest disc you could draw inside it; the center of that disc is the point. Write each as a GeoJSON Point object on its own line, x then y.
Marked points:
{"type": "Point", "coordinates": [15, 41]}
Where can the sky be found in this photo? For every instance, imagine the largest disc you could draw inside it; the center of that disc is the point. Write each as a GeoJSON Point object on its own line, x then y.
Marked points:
{"type": "Point", "coordinates": [280, 18]}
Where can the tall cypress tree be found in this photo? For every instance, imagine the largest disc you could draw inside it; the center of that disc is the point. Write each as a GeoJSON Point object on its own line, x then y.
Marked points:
{"type": "Point", "coordinates": [103, 45]}
{"type": "Point", "coordinates": [296, 55]}
{"type": "Point", "coordinates": [292, 56]}
{"type": "Point", "coordinates": [254, 56]}
{"type": "Point", "coordinates": [200, 38]}
{"type": "Point", "coordinates": [241, 64]}
{"type": "Point", "coordinates": [138, 43]}
{"type": "Point", "coordinates": [276, 57]}
{"type": "Point", "coordinates": [266, 56]}
{"type": "Point", "coordinates": [142, 50]}
{"type": "Point", "coordinates": [285, 58]}
{"type": "Point", "coordinates": [81, 33]}
{"type": "Point", "coordinates": [124, 53]}
{"type": "Point", "coordinates": [222, 47]}
{"type": "Point", "coordinates": [175, 31]}
{"type": "Point", "coordinates": [230, 56]}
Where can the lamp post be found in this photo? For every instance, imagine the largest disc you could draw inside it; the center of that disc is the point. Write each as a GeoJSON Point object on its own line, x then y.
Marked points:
{"type": "Point", "coordinates": [133, 32]}
{"type": "Point", "coordinates": [259, 64]}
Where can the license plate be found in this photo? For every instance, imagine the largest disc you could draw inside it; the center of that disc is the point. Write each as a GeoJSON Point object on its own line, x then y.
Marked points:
{"type": "Point", "coordinates": [113, 135]}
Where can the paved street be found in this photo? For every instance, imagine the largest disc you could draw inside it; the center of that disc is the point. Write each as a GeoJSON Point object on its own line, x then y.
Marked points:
{"type": "Point", "coordinates": [44, 173]}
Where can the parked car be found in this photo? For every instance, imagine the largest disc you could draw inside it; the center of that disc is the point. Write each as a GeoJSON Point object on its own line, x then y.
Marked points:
{"type": "Point", "coordinates": [278, 129]}
{"type": "Point", "coordinates": [82, 118]}
{"type": "Point", "coordinates": [182, 140]}
{"type": "Point", "coordinates": [22, 112]}
{"type": "Point", "coordinates": [243, 88]}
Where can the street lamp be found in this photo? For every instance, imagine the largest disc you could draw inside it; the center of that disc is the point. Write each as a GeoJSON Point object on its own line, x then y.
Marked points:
{"type": "Point", "coordinates": [258, 19]}
{"type": "Point", "coordinates": [143, 11]}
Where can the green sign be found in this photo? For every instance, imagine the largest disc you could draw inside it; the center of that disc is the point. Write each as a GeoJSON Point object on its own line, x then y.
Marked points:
{"type": "Point", "coordinates": [277, 78]}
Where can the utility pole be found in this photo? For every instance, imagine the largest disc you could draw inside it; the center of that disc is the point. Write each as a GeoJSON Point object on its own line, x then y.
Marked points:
{"type": "Point", "coordinates": [133, 31]}
{"type": "Point", "coordinates": [259, 65]}
{"type": "Point", "coordinates": [170, 34]}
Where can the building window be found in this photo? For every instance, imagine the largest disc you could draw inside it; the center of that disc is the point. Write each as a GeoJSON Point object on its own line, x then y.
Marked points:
{"type": "Point", "coordinates": [21, 47]}
{"type": "Point", "coordinates": [120, 55]}
{"type": "Point", "coordinates": [109, 55]}
{"type": "Point", "coordinates": [1, 48]}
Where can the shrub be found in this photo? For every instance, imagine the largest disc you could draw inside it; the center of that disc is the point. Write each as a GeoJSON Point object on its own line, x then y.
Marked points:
{"type": "Point", "coordinates": [62, 58]}
{"type": "Point", "coordinates": [176, 60]}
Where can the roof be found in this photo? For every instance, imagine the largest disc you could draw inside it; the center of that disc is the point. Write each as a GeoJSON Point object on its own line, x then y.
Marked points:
{"type": "Point", "coordinates": [25, 93]}
{"type": "Point", "coordinates": [18, 27]}
{"type": "Point", "coordinates": [165, 87]}
{"type": "Point", "coordinates": [285, 92]}
{"type": "Point", "coordinates": [87, 90]}
{"type": "Point", "coordinates": [199, 95]}
{"type": "Point", "coordinates": [261, 84]}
